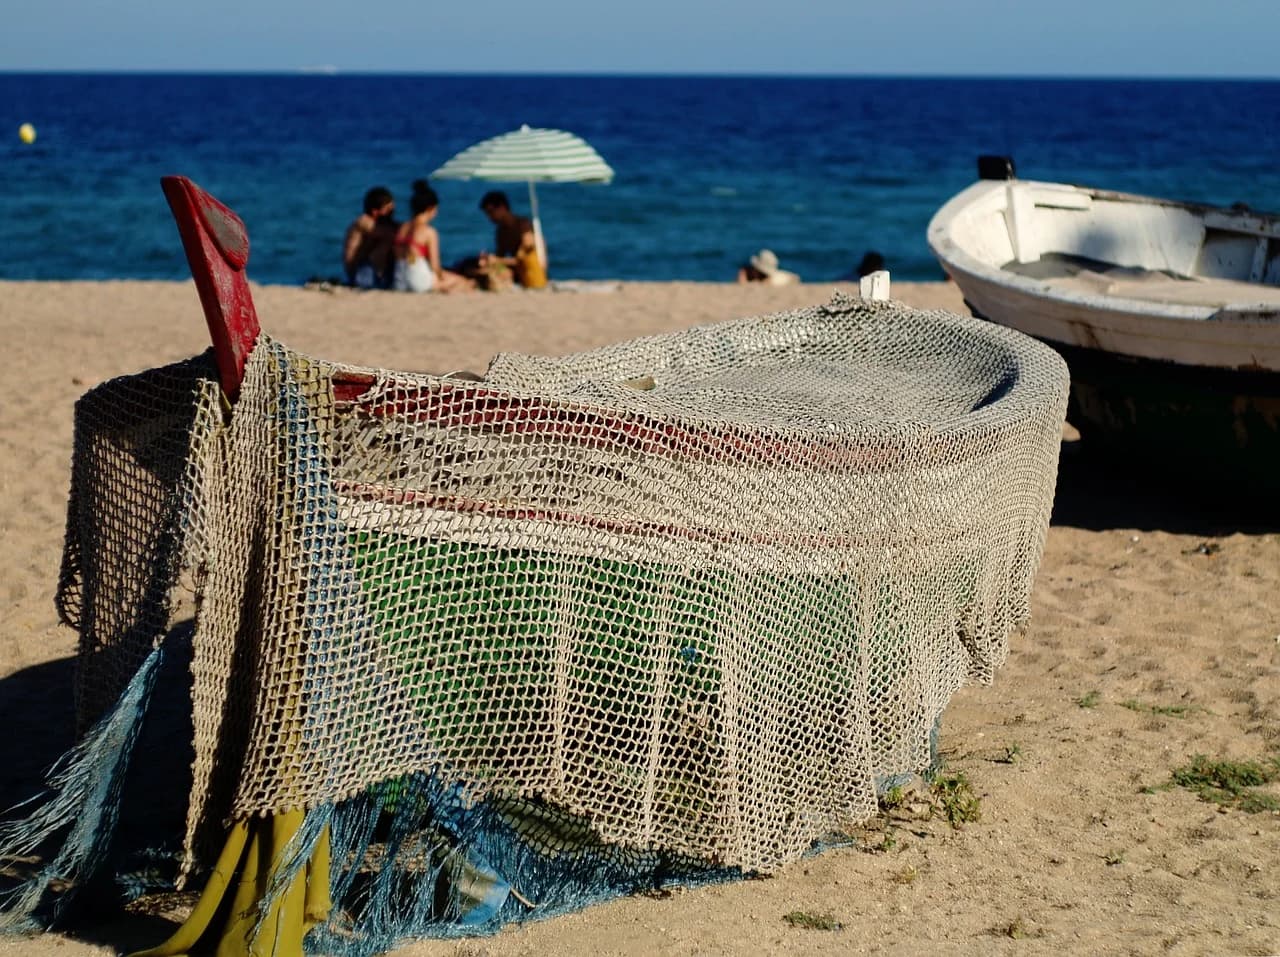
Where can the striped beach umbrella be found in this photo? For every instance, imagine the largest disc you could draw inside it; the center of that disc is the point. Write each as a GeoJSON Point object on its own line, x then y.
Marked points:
{"type": "Point", "coordinates": [534, 156]}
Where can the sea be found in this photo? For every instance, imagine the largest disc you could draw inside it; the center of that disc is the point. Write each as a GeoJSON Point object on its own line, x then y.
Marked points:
{"type": "Point", "coordinates": [708, 169]}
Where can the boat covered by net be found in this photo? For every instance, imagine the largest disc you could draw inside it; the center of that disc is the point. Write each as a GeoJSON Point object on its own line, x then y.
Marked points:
{"type": "Point", "coordinates": [452, 653]}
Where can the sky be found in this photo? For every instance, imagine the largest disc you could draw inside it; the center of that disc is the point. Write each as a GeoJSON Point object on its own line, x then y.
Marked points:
{"type": "Point", "coordinates": [1178, 38]}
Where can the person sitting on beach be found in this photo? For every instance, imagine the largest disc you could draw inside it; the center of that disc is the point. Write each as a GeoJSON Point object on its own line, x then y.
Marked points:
{"type": "Point", "coordinates": [366, 250]}
{"type": "Point", "coordinates": [871, 262]}
{"type": "Point", "coordinates": [417, 250]}
{"type": "Point", "coordinates": [515, 243]}
{"type": "Point", "coordinates": [763, 267]}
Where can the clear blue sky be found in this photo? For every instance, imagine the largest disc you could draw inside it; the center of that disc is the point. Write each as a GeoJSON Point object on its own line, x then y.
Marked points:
{"type": "Point", "coordinates": [986, 37]}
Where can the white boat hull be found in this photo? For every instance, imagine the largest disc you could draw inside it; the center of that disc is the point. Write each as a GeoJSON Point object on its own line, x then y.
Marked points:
{"type": "Point", "coordinates": [1225, 314]}
{"type": "Point", "coordinates": [1174, 354]}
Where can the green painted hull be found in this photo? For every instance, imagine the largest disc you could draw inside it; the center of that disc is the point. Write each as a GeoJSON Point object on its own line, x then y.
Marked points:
{"type": "Point", "coordinates": [492, 642]}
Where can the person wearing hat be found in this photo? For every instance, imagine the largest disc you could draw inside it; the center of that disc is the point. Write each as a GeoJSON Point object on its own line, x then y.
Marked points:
{"type": "Point", "coordinates": [763, 267]}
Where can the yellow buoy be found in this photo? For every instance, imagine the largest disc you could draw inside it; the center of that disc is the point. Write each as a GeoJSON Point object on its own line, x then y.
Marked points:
{"type": "Point", "coordinates": [27, 133]}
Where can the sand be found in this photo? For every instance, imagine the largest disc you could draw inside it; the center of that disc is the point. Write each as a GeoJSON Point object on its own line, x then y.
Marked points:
{"type": "Point", "coordinates": [1155, 636]}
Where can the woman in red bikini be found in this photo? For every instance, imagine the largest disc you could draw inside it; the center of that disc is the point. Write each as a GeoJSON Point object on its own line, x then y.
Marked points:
{"type": "Point", "coordinates": [417, 250]}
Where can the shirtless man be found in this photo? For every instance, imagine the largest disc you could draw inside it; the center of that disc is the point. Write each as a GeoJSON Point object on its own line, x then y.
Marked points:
{"type": "Point", "coordinates": [367, 249]}
{"type": "Point", "coordinates": [514, 242]}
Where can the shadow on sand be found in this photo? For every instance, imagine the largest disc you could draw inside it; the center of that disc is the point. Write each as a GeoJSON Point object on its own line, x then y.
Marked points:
{"type": "Point", "coordinates": [37, 713]}
{"type": "Point", "coordinates": [1099, 492]}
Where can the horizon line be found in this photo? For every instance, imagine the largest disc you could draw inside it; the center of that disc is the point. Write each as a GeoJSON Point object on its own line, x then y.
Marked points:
{"type": "Point", "coordinates": [331, 71]}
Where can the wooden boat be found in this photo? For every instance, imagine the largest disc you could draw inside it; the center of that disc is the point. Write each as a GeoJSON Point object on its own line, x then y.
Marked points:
{"type": "Point", "coordinates": [1168, 314]}
{"type": "Point", "coordinates": [463, 651]}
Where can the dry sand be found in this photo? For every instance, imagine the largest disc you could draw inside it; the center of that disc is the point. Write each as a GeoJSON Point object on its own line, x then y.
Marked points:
{"type": "Point", "coordinates": [1155, 636]}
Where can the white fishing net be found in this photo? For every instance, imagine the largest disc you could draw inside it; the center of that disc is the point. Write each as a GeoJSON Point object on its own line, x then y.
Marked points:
{"type": "Point", "coordinates": [707, 590]}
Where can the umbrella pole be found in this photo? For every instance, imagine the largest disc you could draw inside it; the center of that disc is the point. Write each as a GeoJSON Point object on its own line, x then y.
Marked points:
{"type": "Point", "coordinates": [539, 242]}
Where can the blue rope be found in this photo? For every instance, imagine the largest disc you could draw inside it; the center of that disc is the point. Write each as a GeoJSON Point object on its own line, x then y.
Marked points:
{"type": "Point", "coordinates": [84, 789]}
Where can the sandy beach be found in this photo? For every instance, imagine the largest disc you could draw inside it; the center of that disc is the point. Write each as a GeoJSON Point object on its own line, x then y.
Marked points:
{"type": "Point", "coordinates": [1154, 637]}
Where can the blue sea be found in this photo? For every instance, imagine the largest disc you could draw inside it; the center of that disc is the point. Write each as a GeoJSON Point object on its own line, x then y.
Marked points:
{"type": "Point", "coordinates": [709, 169]}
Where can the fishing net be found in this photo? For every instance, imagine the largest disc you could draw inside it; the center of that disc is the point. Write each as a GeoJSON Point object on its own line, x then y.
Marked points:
{"type": "Point", "coordinates": [669, 610]}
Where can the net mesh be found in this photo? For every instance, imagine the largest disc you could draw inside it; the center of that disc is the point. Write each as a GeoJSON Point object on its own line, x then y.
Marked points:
{"type": "Point", "coordinates": [702, 593]}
